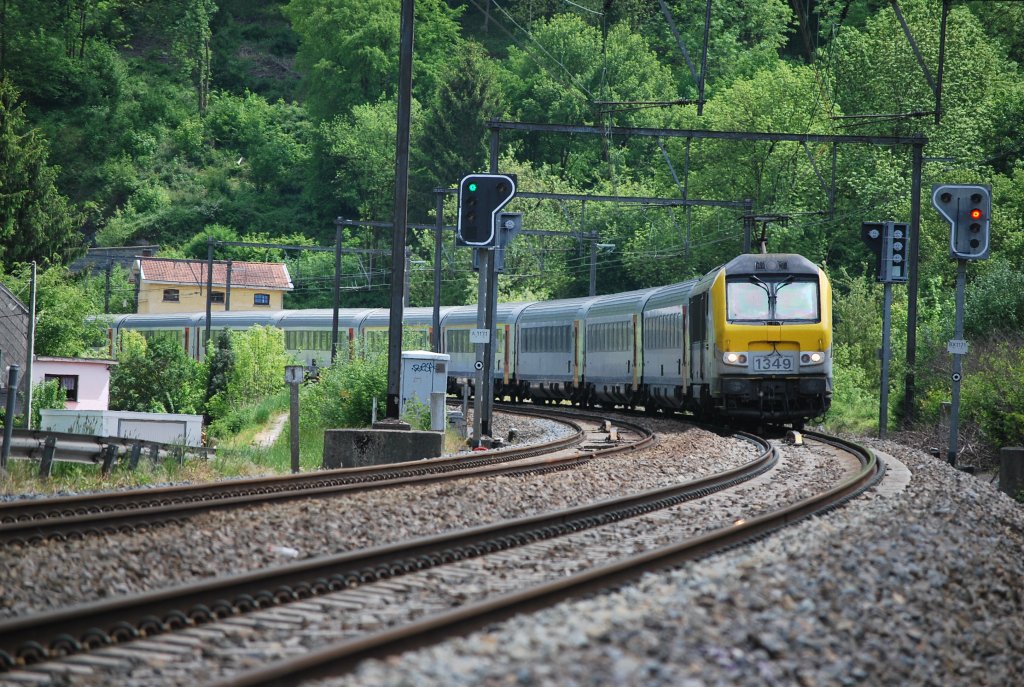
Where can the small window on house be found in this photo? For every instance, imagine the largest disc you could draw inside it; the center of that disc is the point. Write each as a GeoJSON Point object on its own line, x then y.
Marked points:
{"type": "Point", "coordinates": [67, 382]}
{"type": "Point", "coordinates": [171, 295]}
{"type": "Point", "coordinates": [261, 299]}
{"type": "Point", "coordinates": [217, 297]}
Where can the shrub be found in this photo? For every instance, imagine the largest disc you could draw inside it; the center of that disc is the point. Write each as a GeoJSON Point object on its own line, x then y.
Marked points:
{"type": "Point", "coordinates": [417, 415]}
{"type": "Point", "coordinates": [995, 301]}
{"type": "Point", "coordinates": [155, 376]}
{"type": "Point", "coordinates": [46, 396]}
{"type": "Point", "coordinates": [992, 391]}
{"type": "Point", "coordinates": [259, 362]}
{"type": "Point", "coordinates": [854, 401]}
{"type": "Point", "coordinates": [344, 396]}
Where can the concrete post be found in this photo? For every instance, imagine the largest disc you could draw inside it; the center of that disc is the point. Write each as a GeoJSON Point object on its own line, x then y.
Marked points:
{"type": "Point", "coordinates": [437, 411]}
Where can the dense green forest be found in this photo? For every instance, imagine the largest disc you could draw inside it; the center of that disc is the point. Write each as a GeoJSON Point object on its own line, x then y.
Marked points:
{"type": "Point", "coordinates": [127, 122]}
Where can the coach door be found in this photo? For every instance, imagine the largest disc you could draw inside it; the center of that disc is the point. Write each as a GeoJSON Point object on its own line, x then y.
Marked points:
{"type": "Point", "coordinates": [698, 337]}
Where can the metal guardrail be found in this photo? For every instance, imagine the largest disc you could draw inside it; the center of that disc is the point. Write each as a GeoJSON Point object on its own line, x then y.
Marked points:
{"type": "Point", "coordinates": [46, 447]}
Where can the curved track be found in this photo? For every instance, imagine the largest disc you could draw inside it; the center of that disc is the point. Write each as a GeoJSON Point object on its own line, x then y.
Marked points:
{"type": "Point", "coordinates": [34, 638]}
{"type": "Point", "coordinates": [52, 635]}
{"type": "Point", "coordinates": [30, 521]}
{"type": "Point", "coordinates": [344, 656]}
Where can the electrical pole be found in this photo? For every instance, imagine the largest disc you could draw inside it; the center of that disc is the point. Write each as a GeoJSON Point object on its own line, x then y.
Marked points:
{"type": "Point", "coordinates": [593, 267]}
{"type": "Point", "coordinates": [336, 296]}
{"type": "Point", "coordinates": [406, 32]}
{"type": "Point", "coordinates": [227, 290]}
{"type": "Point", "coordinates": [106, 289]}
{"type": "Point", "coordinates": [209, 293]}
{"type": "Point", "coordinates": [748, 223]}
{"type": "Point", "coordinates": [435, 340]}
{"type": "Point", "coordinates": [31, 345]}
{"type": "Point", "coordinates": [405, 282]}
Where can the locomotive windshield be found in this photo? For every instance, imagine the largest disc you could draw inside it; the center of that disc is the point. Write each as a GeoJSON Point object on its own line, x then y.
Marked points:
{"type": "Point", "coordinates": [785, 299]}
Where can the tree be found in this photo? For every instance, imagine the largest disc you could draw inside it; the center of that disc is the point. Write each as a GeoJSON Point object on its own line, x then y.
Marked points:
{"type": "Point", "coordinates": [37, 222]}
{"type": "Point", "coordinates": [453, 138]}
{"type": "Point", "coordinates": [877, 72]}
{"type": "Point", "coordinates": [581, 68]}
{"type": "Point", "coordinates": [349, 50]}
{"type": "Point", "coordinates": [357, 159]}
{"type": "Point", "coordinates": [192, 46]}
{"type": "Point", "coordinates": [155, 376]}
{"type": "Point", "coordinates": [219, 365]}
{"type": "Point", "coordinates": [62, 308]}
{"type": "Point", "coordinates": [272, 139]}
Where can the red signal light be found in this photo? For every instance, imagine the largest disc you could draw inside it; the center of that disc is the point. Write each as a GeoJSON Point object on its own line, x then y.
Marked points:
{"type": "Point", "coordinates": [975, 213]}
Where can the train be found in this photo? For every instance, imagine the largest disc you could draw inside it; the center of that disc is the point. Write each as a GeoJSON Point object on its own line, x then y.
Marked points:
{"type": "Point", "coordinates": [751, 340]}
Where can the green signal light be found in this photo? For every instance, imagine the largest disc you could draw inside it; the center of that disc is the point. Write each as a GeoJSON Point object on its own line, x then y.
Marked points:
{"type": "Point", "coordinates": [472, 188]}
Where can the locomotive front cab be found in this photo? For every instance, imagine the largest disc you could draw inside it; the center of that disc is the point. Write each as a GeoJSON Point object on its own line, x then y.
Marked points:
{"type": "Point", "coordinates": [774, 340]}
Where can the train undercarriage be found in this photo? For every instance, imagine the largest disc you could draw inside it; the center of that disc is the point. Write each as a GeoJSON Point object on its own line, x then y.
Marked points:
{"type": "Point", "coordinates": [774, 400]}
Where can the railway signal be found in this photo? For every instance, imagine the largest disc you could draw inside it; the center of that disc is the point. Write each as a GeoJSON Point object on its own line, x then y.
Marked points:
{"type": "Point", "coordinates": [481, 196]}
{"type": "Point", "coordinates": [895, 251]}
{"type": "Point", "coordinates": [890, 242]}
{"type": "Point", "coordinates": [968, 209]}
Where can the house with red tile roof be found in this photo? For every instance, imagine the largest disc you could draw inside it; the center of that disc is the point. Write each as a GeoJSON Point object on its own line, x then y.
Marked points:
{"type": "Point", "coordinates": [166, 285]}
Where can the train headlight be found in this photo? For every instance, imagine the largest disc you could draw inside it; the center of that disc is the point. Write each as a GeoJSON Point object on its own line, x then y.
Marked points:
{"type": "Point", "coordinates": [734, 358]}
{"type": "Point", "coordinates": [814, 358]}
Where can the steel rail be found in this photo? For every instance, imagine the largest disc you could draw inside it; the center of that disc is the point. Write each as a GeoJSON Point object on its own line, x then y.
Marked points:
{"type": "Point", "coordinates": [345, 656]}
{"type": "Point", "coordinates": [29, 521]}
{"type": "Point", "coordinates": [62, 632]}
{"type": "Point", "coordinates": [65, 506]}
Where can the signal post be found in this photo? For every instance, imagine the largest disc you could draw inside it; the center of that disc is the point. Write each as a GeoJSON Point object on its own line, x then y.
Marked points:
{"type": "Point", "coordinates": [890, 242]}
{"type": "Point", "coordinates": [481, 197]}
{"type": "Point", "coordinates": [968, 209]}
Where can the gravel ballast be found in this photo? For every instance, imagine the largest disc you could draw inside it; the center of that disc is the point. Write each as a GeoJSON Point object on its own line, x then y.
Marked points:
{"type": "Point", "coordinates": [915, 586]}
{"type": "Point", "coordinates": [55, 574]}
{"type": "Point", "coordinates": [921, 587]}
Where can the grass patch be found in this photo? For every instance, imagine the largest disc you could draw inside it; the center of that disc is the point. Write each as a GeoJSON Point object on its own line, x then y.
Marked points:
{"type": "Point", "coordinates": [66, 477]}
{"type": "Point", "coordinates": [236, 455]}
{"type": "Point", "coordinates": [240, 425]}
{"type": "Point", "coordinates": [278, 457]}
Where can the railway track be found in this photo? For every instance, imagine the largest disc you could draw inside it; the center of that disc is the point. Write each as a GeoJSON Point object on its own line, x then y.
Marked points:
{"type": "Point", "coordinates": [310, 584]}
{"type": "Point", "coordinates": [345, 655]}
{"type": "Point", "coordinates": [34, 520]}
{"type": "Point", "coordinates": [31, 639]}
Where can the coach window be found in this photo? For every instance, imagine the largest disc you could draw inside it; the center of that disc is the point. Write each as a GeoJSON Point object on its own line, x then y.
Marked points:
{"type": "Point", "coordinates": [261, 299]}
{"type": "Point", "coordinates": [171, 295]}
{"type": "Point", "coordinates": [69, 383]}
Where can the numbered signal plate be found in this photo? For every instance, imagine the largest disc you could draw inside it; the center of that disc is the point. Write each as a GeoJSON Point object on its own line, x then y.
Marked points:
{"type": "Point", "coordinates": [779, 362]}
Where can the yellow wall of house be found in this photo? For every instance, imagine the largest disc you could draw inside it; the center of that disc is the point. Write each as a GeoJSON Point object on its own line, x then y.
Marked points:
{"type": "Point", "coordinates": [193, 299]}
